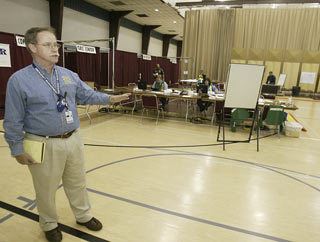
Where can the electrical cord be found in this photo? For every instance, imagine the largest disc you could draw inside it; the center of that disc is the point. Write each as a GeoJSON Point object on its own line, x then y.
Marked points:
{"type": "Point", "coordinates": [170, 146]}
{"type": "Point", "coordinates": [164, 146]}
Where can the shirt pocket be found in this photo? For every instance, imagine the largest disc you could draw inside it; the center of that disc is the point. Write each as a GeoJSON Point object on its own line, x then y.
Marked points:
{"type": "Point", "coordinates": [71, 90]}
{"type": "Point", "coordinates": [39, 99]}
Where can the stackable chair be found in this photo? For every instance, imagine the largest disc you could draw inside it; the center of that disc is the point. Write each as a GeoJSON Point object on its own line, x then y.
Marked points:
{"type": "Point", "coordinates": [151, 102]}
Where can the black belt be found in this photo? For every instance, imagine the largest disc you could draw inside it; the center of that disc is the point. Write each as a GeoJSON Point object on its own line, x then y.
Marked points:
{"type": "Point", "coordinates": [61, 136]}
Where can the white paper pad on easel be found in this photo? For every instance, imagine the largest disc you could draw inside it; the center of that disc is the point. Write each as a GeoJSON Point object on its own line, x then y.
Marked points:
{"type": "Point", "coordinates": [281, 80]}
{"type": "Point", "coordinates": [307, 77]}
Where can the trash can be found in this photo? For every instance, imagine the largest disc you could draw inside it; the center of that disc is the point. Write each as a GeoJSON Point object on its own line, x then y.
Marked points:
{"type": "Point", "coordinates": [295, 91]}
{"type": "Point", "coordinates": [293, 129]}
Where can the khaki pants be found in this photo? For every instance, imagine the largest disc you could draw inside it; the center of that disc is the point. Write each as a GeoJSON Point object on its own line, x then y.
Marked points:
{"type": "Point", "coordinates": [63, 160]}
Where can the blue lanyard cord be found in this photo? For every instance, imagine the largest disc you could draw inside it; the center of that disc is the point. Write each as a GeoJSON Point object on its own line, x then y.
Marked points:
{"type": "Point", "coordinates": [56, 91]}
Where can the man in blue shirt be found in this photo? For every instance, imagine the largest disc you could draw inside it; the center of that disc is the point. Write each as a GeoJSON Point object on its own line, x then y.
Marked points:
{"type": "Point", "coordinates": [41, 106]}
{"type": "Point", "coordinates": [159, 84]}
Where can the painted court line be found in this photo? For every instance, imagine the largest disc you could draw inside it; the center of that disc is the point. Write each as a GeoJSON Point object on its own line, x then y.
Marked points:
{"type": "Point", "coordinates": [200, 220]}
{"type": "Point", "coordinates": [65, 228]}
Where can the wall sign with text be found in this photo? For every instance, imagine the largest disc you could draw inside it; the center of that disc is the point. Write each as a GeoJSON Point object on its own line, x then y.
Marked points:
{"type": "Point", "coordinates": [5, 60]}
{"type": "Point", "coordinates": [20, 41]}
{"type": "Point", "coordinates": [86, 49]}
{"type": "Point", "coordinates": [146, 57]}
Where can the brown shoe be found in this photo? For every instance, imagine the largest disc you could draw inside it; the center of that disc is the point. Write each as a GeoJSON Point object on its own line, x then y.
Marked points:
{"type": "Point", "coordinates": [54, 235]}
{"type": "Point", "coordinates": [93, 224]}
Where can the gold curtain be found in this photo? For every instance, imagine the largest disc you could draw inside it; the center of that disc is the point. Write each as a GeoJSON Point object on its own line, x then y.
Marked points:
{"type": "Point", "coordinates": [208, 40]}
{"type": "Point", "coordinates": [278, 29]}
{"type": "Point", "coordinates": [190, 41]}
{"type": "Point", "coordinates": [210, 36]}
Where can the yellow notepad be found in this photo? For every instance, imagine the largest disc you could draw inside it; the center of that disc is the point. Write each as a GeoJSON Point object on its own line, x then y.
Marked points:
{"type": "Point", "coordinates": [35, 149]}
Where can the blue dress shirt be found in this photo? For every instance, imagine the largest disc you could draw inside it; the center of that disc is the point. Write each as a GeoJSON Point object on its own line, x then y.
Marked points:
{"type": "Point", "coordinates": [31, 105]}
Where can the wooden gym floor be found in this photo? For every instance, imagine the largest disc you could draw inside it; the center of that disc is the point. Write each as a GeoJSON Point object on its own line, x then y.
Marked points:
{"type": "Point", "coordinates": [180, 194]}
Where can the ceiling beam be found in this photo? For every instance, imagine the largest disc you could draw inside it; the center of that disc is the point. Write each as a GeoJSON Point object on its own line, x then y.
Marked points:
{"type": "Point", "coordinates": [146, 33]}
{"type": "Point", "coordinates": [241, 2]}
{"type": "Point", "coordinates": [56, 16]}
{"type": "Point", "coordinates": [166, 42]}
{"type": "Point", "coordinates": [114, 24]}
{"type": "Point", "coordinates": [179, 48]}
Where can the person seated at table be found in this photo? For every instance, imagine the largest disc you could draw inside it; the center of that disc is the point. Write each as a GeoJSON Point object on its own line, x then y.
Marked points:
{"type": "Point", "coordinates": [159, 84]}
{"type": "Point", "coordinates": [158, 71]}
{"type": "Point", "coordinates": [203, 91]}
{"type": "Point", "coordinates": [201, 77]}
{"type": "Point", "coordinates": [212, 89]}
{"type": "Point", "coordinates": [142, 84]}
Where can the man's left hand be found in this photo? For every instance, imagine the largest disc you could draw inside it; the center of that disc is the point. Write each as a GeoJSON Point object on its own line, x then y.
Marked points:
{"type": "Point", "coordinates": [120, 98]}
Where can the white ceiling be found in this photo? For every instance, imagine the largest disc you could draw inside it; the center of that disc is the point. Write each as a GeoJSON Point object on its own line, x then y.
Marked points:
{"type": "Point", "coordinates": [168, 17]}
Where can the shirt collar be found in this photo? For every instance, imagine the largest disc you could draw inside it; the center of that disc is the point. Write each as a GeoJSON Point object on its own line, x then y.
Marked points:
{"type": "Point", "coordinates": [43, 70]}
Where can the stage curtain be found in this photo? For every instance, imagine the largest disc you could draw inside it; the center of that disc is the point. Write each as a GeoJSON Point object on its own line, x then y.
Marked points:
{"type": "Point", "coordinates": [171, 71]}
{"type": "Point", "coordinates": [144, 67]}
{"type": "Point", "coordinates": [88, 66]}
{"type": "Point", "coordinates": [126, 68]}
{"type": "Point", "coordinates": [118, 73]}
{"type": "Point", "coordinates": [104, 70]}
{"type": "Point", "coordinates": [130, 68]}
{"type": "Point", "coordinates": [6, 72]}
{"type": "Point", "coordinates": [20, 58]}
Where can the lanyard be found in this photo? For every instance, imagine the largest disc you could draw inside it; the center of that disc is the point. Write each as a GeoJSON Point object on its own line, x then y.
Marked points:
{"type": "Point", "coordinates": [56, 91]}
{"type": "Point", "coordinates": [62, 102]}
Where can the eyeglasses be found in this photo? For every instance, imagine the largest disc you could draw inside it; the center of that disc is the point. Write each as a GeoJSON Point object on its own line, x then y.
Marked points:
{"type": "Point", "coordinates": [51, 45]}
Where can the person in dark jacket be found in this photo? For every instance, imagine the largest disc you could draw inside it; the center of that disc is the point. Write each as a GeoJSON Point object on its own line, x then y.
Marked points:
{"type": "Point", "coordinates": [142, 84]}
{"type": "Point", "coordinates": [271, 79]}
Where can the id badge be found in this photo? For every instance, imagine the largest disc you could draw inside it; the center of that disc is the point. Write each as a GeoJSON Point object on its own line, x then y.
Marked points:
{"type": "Point", "coordinates": [69, 117]}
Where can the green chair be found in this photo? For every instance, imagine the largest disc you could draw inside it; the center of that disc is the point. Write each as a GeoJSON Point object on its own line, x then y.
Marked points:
{"type": "Point", "coordinates": [276, 116]}
{"type": "Point", "coordinates": [238, 116]}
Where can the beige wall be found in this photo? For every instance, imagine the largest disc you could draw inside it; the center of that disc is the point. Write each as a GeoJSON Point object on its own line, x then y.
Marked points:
{"type": "Point", "coordinates": [16, 16]}
{"type": "Point", "coordinates": [129, 40]}
{"type": "Point", "coordinates": [155, 47]}
{"type": "Point", "coordinates": [79, 26]}
{"type": "Point", "coordinates": [172, 51]}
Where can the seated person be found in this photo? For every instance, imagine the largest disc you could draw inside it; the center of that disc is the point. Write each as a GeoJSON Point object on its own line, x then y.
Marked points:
{"type": "Point", "coordinates": [212, 90]}
{"type": "Point", "coordinates": [201, 77]}
{"type": "Point", "coordinates": [159, 84]}
{"type": "Point", "coordinates": [271, 79]}
{"type": "Point", "coordinates": [158, 71]}
{"type": "Point", "coordinates": [142, 84]}
{"type": "Point", "coordinates": [203, 90]}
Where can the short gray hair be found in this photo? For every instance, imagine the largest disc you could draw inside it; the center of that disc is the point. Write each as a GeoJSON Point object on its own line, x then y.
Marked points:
{"type": "Point", "coordinates": [30, 37]}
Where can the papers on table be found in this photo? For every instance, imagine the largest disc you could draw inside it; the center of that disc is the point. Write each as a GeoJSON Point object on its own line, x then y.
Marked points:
{"type": "Point", "coordinates": [189, 81]}
{"type": "Point", "coordinates": [217, 96]}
